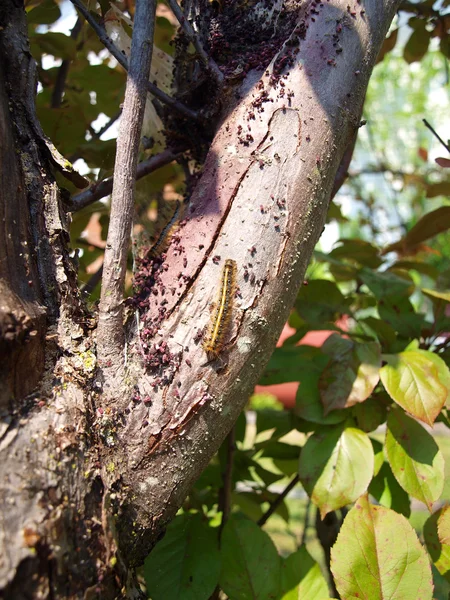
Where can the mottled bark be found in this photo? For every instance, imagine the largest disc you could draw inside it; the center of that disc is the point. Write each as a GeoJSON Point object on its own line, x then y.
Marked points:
{"type": "Point", "coordinates": [93, 467]}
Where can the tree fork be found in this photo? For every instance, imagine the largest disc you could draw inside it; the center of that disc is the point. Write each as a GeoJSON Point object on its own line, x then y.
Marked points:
{"type": "Point", "coordinates": [90, 481]}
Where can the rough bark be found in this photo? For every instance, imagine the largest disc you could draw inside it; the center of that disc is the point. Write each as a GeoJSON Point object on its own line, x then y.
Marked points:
{"type": "Point", "coordinates": [92, 466]}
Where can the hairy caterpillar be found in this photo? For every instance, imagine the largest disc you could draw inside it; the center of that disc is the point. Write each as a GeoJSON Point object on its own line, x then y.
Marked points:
{"type": "Point", "coordinates": [220, 318]}
{"type": "Point", "coordinates": [163, 240]}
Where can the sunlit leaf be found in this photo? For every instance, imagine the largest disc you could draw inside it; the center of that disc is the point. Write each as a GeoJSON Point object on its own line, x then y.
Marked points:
{"type": "Point", "coordinates": [336, 466]}
{"type": "Point", "coordinates": [444, 526]}
{"type": "Point", "coordinates": [419, 381]}
{"type": "Point", "coordinates": [387, 491]}
{"type": "Point", "coordinates": [185, 563]}
{"type": "Point", "coordinates": [351, 374]}
{"type": "Point", "coordinates": [251, 566]}
{"type": "Point", "coordinates": [414, 457]}
{"type": "Point", "coordinates": [301, 578]}
{"type": "Point", "coordinates": [439, 553]}
{"type": "Point", "coordinates": [377, 556]}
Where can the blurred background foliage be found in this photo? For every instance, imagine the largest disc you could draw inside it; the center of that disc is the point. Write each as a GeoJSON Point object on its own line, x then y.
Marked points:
{"type": "Point", "coordinates": [379, 282]}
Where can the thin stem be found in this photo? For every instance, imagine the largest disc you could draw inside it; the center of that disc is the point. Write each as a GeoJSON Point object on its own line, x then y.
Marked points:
{"type": "Point", "coordinates": [227, 479]}
{"type": "Point", "coordinates": [209, 63]}
{"type": "Point", "coordinates": [122, 60]}
{"type": "Point", "coordinates": [102, 189]}
{"type": "Point", "coordinates": [278, 500]}
{"type": "Point", "coordinates": [434, 132]}
{"type": "Point", "coordinates": [110, 332]}
{"type": "Point", "coordinates": [60, 83]}
{"type": "Point", "coordinates": [89, 286]}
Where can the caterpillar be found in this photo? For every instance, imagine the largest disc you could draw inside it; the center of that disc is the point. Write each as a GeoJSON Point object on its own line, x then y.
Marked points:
{"type": "Point", "coordinates": [163, 240]}
{"type": "Point", "coordinates": [220, 318]}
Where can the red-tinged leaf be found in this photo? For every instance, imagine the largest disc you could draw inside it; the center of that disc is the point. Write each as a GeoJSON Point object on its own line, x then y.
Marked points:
{"type": "Point", "coordinates": [442, 188]}
{"type": "Point", "coordinates": [352, 373]}
{"type": "Point", "coordinates": [444, 526]}
{"type": "Point", "coordinates": [414, 457]}
{"type": "Point", "coordinates": [336, 466]}
{"type": "Point", "coordinates": [439, 553]}
{"type": "Point", "coordinates": [423, 153]}
{"type": "Point", "coordinates": [427, 227]}
{"type": "Point", "coordinates": [377, 556]}
{"type": "Point", "coordinates": [419, 381]}
{"type": "Point", "coordinates": [443, 162]}
{"type": "Point", "coordinates": [388, 45]}
{"type": "Point", "coordinates": [417, 45]}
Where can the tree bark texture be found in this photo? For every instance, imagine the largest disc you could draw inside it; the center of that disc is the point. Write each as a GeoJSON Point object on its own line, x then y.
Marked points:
{"type": "Point", "coordinates": [93, 466]}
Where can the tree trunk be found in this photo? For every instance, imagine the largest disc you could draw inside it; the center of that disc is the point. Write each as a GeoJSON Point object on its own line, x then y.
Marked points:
{"type": "Point", "coordinates": [95, 461]}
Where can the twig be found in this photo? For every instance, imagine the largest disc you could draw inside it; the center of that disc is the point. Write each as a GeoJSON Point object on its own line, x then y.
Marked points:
{"type": "Point", "coordinates": [434, 132]}
{"type": "Point", "coordinates": [60, 83]}
{"type": "Point", "coordinates": [110, 332]}
{"type": "Point", "coordinates": [278, 500]}
{"type": "Point", "coordinates": [209, 63]}
{"type": "Point", "coordinates": [122, 60]}
{"type": "Point", "coordinates": [102, 189]}
{"type": "Point", "coordinates": [89, 286]}
{"type": "Point", "coordinates": [97, 135]}
{"type": "Point", "coordinates": [227, 480]}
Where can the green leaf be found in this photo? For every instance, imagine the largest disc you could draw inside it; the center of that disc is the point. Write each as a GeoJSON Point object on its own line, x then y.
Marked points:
{"type": "Point", "coordinates": [377, 556]}
{"type": "Point", "coordinates": [251, 567]}
{"type": "Point", "coordinates": [249, 503]}
{"type": "Point", "coordinates": [384, 332]}
{"type": "Point", "coordinates": [301, 578]}
{"type": "Point", "coordinates": [308, 404]}
{"type": "Point", "coordinates": [417, 380]}
{"type": "Point", "coordinates": [417, 45]}
{"type": "Point", "coordinates": [46, 13]}
{"type": "Point", "coordinates": [383, 285]}
{"type": "Point", "coordinates": [386, 490]}
{"type": "Point", "coordinates": [357, 250]}
{"type": "Point", "coordinates": [439, 553]}
{"type": "Point", "coordinates": [437, 295]}
{"type": "Point", "coordinates": [336, 466]}
{"type": "Point", "coordinates": [352, 373]}
{"type": "Point", "coordinates": [369, 414]}
{"type": "Point", "coordinates": [289, 362]}
{"type": "Point", "coordinates": [444, 526]}
{"type": "Point", "coordinates": [400, 314]}
{"type": "Point", "coordinates": [54, 43]}
{"type": "Point", "coordinates": [320, 302]}
{"type": "Point", "coordinates": [185, 564]}
{"type": "Point", "coordinates": [388, 45]}
{"type": "Point", "coordinates": [415, 458]}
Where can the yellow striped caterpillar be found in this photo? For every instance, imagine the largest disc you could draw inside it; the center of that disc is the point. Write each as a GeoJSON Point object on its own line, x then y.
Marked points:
{"type": "Point", "coordinates": [221, 315]}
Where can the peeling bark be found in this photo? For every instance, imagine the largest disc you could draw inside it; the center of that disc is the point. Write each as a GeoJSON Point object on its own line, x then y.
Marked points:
{"type": "Point", "coordinates": [93, 466]}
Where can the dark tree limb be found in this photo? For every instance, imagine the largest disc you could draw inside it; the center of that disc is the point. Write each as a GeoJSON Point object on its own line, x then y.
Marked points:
{"type": "Point", "coordinates": [435, 133]}
{"type": "Point", "coordinates": [278, 500]}
{"type": "Point", "coordinates": [99, 190]}
{"type": "Point", "coordinates": [122, 60]}
{"type": "Point", "coordinates": [60, 83]}
{"type": "Point", "coordinates": [209, 63]}
{"type": "Point", "coordinates": [227, 478]}
{"type": "Point", "coordinates": [110, 333]}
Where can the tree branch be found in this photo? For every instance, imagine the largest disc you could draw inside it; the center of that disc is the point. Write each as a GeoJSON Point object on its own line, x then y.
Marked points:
{"type": "Point", "coordinates": [278, 500]}
{"type": "Point", "coordinates": [227, 480]}
{"type": "Point", "coordinates": [209, 63]}
{"type": "Point", "coordinates": [435, 133]}
{"type": "Point", "coordinates": [110, 327]}
{"type": "Point", "coordinates": [102, 189]}
{"type": "Point", "coordinates": [60, 83]}
{"type": "Point", "coordinates": [121, 59]}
